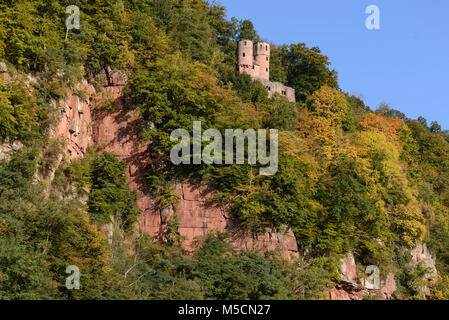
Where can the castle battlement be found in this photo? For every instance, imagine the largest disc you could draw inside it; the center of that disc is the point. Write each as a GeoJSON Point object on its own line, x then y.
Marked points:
{"type": "Point", "coordinates": [254, 60]}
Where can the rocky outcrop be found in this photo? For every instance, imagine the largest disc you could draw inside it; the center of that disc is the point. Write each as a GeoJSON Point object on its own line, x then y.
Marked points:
{"type": "Point", "coordinates": [348, 269]}
{"type": "Point", "coordinates": [198, 216]}
{"type": "Point", "coordinates": [421, 256]}
{"type": "Point", "coordinates": [4, 71]}
{"type": "Point", "coordinates": [3, 67]}
{"type": "Point", "coordinates": [347, 291]}
{"type": "Point", "coordinates": [119, 132]}
{"type": "Point", "coordinates": [7, 147]}
{"type": "Point", "coordinates": [106, 120]}
{"type": "Point", "coordinates": [388, 286]}
{"type": "Point", "coordinates": [72, 133]}
{"type": "Point", "coordinates": [351, 287]}
{"type": "Point", "coordinates": [74, 124]}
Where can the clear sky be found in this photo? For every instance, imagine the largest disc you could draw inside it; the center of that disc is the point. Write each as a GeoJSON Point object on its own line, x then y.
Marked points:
{"type": "Point", "coordinates": [405, 63]}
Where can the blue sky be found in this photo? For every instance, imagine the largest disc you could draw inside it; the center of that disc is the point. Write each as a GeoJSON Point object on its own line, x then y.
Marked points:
{"type": "Point", "coordinates": [405, 63]}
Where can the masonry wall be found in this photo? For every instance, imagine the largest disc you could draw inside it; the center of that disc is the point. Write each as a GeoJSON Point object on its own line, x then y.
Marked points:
{"type": "Point", "coordinates": [278, 87]}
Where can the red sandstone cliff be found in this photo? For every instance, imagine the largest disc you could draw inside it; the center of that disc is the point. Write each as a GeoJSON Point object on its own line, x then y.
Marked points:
{"type": "Point", "coordinates": [117, 129]}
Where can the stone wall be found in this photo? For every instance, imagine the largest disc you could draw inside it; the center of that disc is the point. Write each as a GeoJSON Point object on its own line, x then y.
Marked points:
{"type": "Point", "coordinates": [277, 87]}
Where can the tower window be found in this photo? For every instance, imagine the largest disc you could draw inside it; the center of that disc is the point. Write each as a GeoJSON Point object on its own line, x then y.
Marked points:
{"type": "Point", "coordinates": [267, 58]}
{"type": "Point", "coordinates": [244, 43]}
{"type": "Point", "coordinates": [266, 48]}
{"type": "Point", "coordinates": [267, 69]}
{"type": "Point", "coordinates": [243, 53]}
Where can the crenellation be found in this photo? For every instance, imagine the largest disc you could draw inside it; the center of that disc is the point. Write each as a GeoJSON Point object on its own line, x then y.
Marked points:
{"type": "Point", "coordinates": [254, 60]}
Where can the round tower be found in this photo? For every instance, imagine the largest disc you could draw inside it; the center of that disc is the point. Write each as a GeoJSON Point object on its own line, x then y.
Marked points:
{"type": "Point", "coordinates": [262, 58]}
{"type": "Point", "coordinates": [245, 55]}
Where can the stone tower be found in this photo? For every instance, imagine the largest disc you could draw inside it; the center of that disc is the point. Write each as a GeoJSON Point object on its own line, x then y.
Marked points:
{"type": "Point", "coordinates": [246, 57]}
{"type": "Point", "coordinates": [262, 59]}
{"type": "Point", "coordinates": [254, 60]}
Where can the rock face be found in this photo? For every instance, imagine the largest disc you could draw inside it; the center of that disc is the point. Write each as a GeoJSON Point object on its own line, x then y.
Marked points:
{"type": "Point", "coordinates": [105, 119]}
{"type": "Point", "coordinates": [74, 126]}
{"type": "Point", "coordinates": [9, 146]}
{"type": "Point", "coordinates": [4, 71]}
{"type": "Point", "coordinates": [349, 269]}
{"type": "Point", "coordinates": [198, 216]}
{"type": "Point", "coordinates": [352, 288]}
{"type": "Point", "coordinates": [421, 256]}
{"type": "Point", "coordinates": [346, 291]}
{"type": "Point", "coordinates": [388, 286]}
{"type": "Point", "coordinates": [3, 67]}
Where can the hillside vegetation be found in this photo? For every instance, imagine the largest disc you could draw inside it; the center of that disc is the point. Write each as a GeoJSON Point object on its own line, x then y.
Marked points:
{"type": "Point", "coordinates": [350, 179]}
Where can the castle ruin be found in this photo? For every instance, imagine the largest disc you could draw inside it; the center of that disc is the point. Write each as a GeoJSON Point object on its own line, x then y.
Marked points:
{"type": "Point", "coordinates": [254, 60]}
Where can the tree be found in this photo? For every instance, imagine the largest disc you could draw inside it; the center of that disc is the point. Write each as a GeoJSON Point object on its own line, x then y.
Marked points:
{"type": "Point", "coordinates": [246, 31]}
{"type": "Point", "coordinates": [110, 199]}
{"type": "Point", "coordinates": [386, 110]}
{"type": "Point", "coordinates": [435, 127]}
{"type": "Point", "coordinates": [18, 110]}
{"type": "Point", "coordinates": [307, 69]}
{"type": "Point", "coordinates": [40, 235]}
{"type": "Point", "coordinates": [422, 121]}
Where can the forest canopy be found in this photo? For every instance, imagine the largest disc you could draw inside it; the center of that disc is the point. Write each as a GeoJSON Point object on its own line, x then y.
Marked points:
{"type": "Point", "coordinates": [350, 179]}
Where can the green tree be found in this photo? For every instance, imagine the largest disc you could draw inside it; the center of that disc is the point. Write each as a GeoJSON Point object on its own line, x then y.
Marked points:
{"type": "Point", "coordinates": [246, 31]}
{"type": "Point", "coordinates": [110, 199]}
{"type": "Point", "coordinates": [307, 69]}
